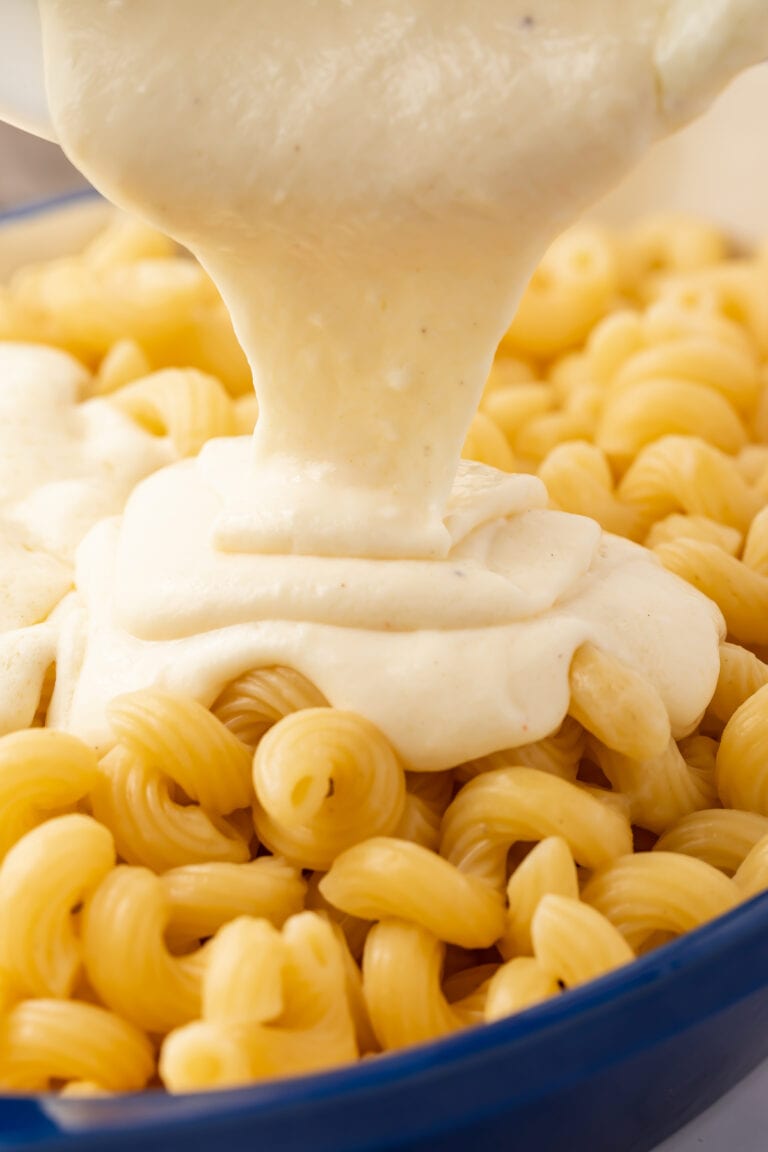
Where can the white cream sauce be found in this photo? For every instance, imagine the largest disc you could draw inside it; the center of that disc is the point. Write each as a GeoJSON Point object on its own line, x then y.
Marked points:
{"type": "Point", "coordinates": [370, 186]}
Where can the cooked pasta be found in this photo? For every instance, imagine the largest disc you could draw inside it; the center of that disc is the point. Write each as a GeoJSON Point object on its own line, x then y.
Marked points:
{"type": "Point", "coordinates": [265, 887]}
{"type": "Point", "coordinates": [324, 780]}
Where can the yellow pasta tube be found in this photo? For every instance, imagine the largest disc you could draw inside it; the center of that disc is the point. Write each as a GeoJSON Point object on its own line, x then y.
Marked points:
{"type": "Point", "coordinates": [244, 973]}
{"type": "Point", "coordinates": [42, 880]}
{"type": "Point", "coordinates": [519, 984]}
{"type": "Point", "coordinates": [250, 705]}
{"type": "Point", "coordinates": [124, 362]}
{"type": "Point", "coordinates": [740, 593]}
{"type": "Point", "coordinates": [731, 371]}
{"type": "Point", "coordinates": [43, 1042]}
{"type": "Point", "coordinates": [314, 1030]}
{"type": "Point", "coordinates": [574, 943]}
{"type": "Point", "coordinates": [486, 443]}
{"type": "Point", "coordinates": [741, 675]}
{"type": "Point", "coordinates": [182, 403]}
{"type": "Point", "coordinates": [127, 959]}
{"type": "Point", "coordinates": [617, 705]}
{"type": "Point", "coordinates": [640, 414]}
{"type": "Point", "coordinates": [752, 876]}
{"type": "Point", "coordinates": [40, 771]}
{"type": "Point", "coordinates": [685, 474]}
{"type": "Point", "coordinates": [383, 878]}
{"type": "Point", "coordinates": [560, 754]}
{"type": "Point", "coordinates": [548, 868]}
{"type": "Point", "coordinates": [402, 968]}
{"type": "Point", "coordinates": [568, 293]}
{"type": "Point", "coordinates": [721, 837]}
{"type": "Point", "coordinates": [179, 737]}
{"type": "Point", "coordinates": [742, 768]}
{"type": "Point", "coordinates": [660, 789]}
{"type": "Point", "coordinates": [325, 780]}
{"type": "Point", "coordinates": [150, 827]}
{"type": "Point", "coordinates": [677, 527]}
{"type": "Point", "coordinates": [202, 898]}
{"type": "Point", "coordinates": [651, 892]}
{"type": "Point", "coordinates": [579, 480]}
{"type": "Point", "coordinates": [497, 809]}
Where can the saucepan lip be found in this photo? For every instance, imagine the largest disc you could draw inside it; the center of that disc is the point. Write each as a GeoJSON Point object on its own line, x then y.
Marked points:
{"type": "Point", "coordinates": [740, 934]}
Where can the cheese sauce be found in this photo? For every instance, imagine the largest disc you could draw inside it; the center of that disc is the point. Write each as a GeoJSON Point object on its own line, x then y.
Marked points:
{"type": "Point", "coordinates": [371, 186]}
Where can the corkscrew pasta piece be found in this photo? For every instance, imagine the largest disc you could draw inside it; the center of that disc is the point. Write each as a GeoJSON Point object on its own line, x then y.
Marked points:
{"type": "Point", "coordinates": [666, 242]}
{"type": "Point", "coordinates": [571, 289]}
{"type": "Point", "coordinates": [742, 767]}
{"type": "Point", "coordinates": [740, 593]}
{"type": "Point", "coordinates": [741, 675]}
{"type": "Point", "coordinates": [579, 480]}
{"type": "Point", "coordinates": [517, 985]}
{"type": "Point", "coordinates": [427, 796]}
{"type": "Point", "coordinates": [560, 754]}
{"type": "Point", "coordinates": [126, 956]}
{"type": "Point", "coordinates": [325, 779]}
{"type": "Point", "coordinates": [574, 943]}
{"type": "Point", "coordinates": [382, 878]}
{"type": "Point", "coordinates": [639, 414]}
{"type": "Point", "coordinates": [402, 970]}
{"type": "Point", "coordinates": [548, 868]}
{"type": "Point", "coordinates": [250, 705]}
{"type": "Point", "coordinates": [41, 772]}
{"type": "Point", "coordinates": [616, 704]}
{"type": "Point", "coordinates": [732, 372]}
{"type": "Point", "coordinates": [43, 879]}
{"type": "Point", "coordinates": [721, 837]}
{"type": "Point", "coordinates": [181, 737]}
{"type": "Point", "coordinates": [660, 789]}
{"type": "Point", "coordinates": [755, 553]}
{"type": "Point", "coordinates": [684, 474]}
{"type": "Point", "coordinates": [678, 526]}
{"type": "Point", "coordinates": [181, 403]}
{"type": "Point", "coordinates": [44, 1042]}
{"type": "Point", "coordinates": [267, 1011]}
{"type": "Point", "coordinates": [485, 442]}
{"type": "Point", "coordinates": [124, 362]}
{"type": "Point", "coordinates": [751, 877]}
{"type": "Point", "coordinates": [497, 809]}
{"type": "Point", "coordinates": [651, 892]}
{"type": "Point", "coordinates": [353, 928]}
{"type": "Point", "coordinates": [154, 829]}
{"type": "Point", "coordinates": [202, 898]}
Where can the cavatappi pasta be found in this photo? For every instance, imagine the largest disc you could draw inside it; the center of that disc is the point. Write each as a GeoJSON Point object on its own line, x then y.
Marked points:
{"type": "Point", "coordinates": [263, 888]}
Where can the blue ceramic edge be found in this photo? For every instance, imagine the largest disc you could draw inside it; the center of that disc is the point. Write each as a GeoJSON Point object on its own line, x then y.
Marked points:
{"type": "Point", "coordinates": [33, 208]}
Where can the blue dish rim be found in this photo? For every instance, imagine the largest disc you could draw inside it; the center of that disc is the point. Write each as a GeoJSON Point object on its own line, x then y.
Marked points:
{"type": "Point", "coordinates": [39, 207]}
{"type": "Point", "coordinates": [731, 931]}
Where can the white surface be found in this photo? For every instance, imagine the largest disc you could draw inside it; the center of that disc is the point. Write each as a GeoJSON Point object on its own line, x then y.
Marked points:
{"type": "Point", "coordinates": [737, 1123]}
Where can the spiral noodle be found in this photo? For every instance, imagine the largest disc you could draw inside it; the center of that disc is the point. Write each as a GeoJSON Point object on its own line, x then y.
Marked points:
{"type": "Point", "coordinates": [721, 837]}
{"type": "Point", "coordinates": [402, 969]}
{"type": "Point", "coordinates": [549, 868]}
{"type": "Point", "coordinates": [271, 1005]}
{"type": "Point", "coordinates": [617, 705]}
{"type": "Point", "coordinates": [44, 1041]}
{"type": "Point", "coordinates": [127, 959]}
{"type": "Point", "coordinates": [43, 879]}
{"type": "Point", "coordinates": [250, 705]}
{"type": "Point", "coordinates": [517, 985]}
{"type": "Point", "coordinates": [497, 809]}
{"type": "Point", "coordinates": [653, 892]}
{"type": "Point", "coordinates": [560, 754]}
{"type": "Point", "coordinates": [183, 404]}
{"type": "Point", "coordinates": [382, 878]}
{"type": "Point", "coordinates": [41, 772]}
{"type": "Point", "coordinates": [574, 943]}
{"type": "Point", "coordinates": [325, 780]}
{"type": "Point", "coordinates": [660, 789]}
{"type": "Point", "coordinates": [742, 770]}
